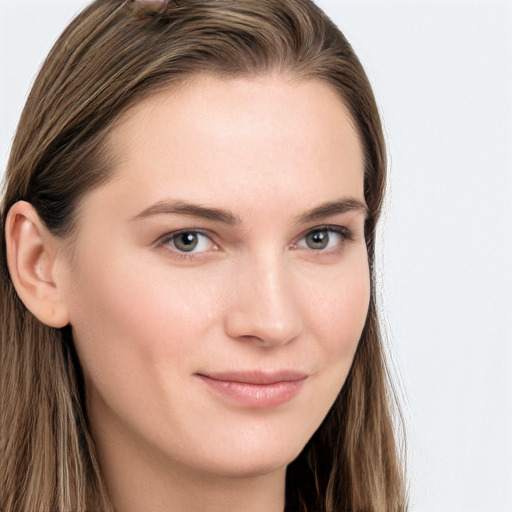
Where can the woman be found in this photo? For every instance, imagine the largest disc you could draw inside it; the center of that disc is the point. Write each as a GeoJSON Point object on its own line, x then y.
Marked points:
{"type": "Point", "coordinates": [188, 300]}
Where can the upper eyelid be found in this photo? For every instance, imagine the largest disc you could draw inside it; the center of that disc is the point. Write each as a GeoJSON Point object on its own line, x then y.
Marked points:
{"type": "Point", "coordinates": [166, 242]}
{"type": "Point", "coordinates": [342, 231]}
{"type": "Point", "coordinates": [168, 237]}
{"type": "Point", "coordinates": [327, 227]}
{"type": "Point", "coordinates": [171, 234]}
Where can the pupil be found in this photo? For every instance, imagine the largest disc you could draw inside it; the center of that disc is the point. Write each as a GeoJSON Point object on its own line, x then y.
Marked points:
{"type": "Point", "coordinates": [317, 240]}
{"type": "Point", "coordinates": [186, 242]}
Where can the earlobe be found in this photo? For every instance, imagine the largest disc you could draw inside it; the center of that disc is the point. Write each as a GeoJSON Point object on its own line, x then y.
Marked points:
{"type": "Point", "coordinates": [32, 253]}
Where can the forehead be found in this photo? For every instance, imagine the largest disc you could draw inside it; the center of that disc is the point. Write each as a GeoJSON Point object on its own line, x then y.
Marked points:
{"type": "Point", "coordinates": [224, 139]}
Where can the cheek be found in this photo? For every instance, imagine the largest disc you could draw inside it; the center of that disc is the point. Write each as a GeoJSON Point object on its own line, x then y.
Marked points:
{"type": "Point", "coordinates": [132, 313]}
{"type": "Point", "coordinates": [339, 311]}
{"type": "Point", "coordinates": [138, 336]}
{"type": "Point", "coordinates": [338, 315]}
{"type": "Point", "coordinates": [340, 328]}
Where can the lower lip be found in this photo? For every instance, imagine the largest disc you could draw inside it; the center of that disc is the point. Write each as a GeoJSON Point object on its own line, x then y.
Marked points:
{"type": "Point", "coordinates": [258, 396]}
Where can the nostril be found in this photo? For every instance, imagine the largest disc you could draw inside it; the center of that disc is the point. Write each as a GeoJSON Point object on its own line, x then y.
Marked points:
{"type": "Point", "coordinates": [254, 326]}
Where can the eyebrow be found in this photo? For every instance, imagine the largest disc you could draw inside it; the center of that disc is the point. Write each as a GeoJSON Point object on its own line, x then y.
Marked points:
{"type": "Point", "coordinates": [179, 207]}
{"type": "Point", "coordinates": [334, 208]}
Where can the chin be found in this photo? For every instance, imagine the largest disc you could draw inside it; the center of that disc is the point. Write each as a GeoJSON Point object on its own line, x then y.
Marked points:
{"type": "Point", "coordinates": [259, 460]}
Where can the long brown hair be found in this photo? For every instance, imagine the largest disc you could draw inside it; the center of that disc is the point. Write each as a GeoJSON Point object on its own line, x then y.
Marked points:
{"type": "Point", "coordinates": [108, 58]}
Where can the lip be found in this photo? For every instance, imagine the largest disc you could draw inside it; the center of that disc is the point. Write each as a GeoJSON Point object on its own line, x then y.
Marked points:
{"type": "Point", "coordinates": [255, 389]}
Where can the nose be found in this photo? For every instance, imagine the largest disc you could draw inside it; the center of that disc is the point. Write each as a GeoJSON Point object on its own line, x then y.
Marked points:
{"type": "Point", "coordinates": [264, 306]}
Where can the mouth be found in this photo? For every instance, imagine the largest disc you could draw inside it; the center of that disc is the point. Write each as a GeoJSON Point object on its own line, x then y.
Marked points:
{"type": "Point", "coordinates": [255, 389]}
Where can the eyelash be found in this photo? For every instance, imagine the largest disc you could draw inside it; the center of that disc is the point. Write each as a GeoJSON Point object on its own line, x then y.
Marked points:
{"type": "Point", "coordinates": [344, 233]}
{"type": "Point", "coordinates": [169, 240]}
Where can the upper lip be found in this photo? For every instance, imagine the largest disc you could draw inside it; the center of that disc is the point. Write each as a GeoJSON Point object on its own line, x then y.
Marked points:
{"type": "Point", "coordinates": [257, 377]}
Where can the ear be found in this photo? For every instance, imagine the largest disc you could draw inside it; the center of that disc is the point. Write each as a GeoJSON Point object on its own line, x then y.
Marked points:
{"type": "Point", "coordinates": [32, 256]}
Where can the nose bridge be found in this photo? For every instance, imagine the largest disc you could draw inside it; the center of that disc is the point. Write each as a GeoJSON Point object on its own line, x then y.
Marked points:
{"type": "Point", "coordinates": [265, 306]}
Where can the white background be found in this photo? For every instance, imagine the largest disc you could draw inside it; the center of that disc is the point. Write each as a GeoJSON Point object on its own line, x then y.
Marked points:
{"type": "Point", "coordinates": [442, 73]}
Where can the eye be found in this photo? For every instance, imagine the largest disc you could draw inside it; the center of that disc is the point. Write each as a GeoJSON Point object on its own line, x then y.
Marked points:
{"type": "Point", "coordinates": [318, 240]}
{"type": "Point", "coordinates": [325, 238]}
{"type": "Point", "coordinates": [189, 242]}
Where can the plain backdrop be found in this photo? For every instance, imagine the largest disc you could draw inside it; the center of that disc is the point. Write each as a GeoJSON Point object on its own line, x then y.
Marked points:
{"type": "Point", "coordinates": [442, 74]}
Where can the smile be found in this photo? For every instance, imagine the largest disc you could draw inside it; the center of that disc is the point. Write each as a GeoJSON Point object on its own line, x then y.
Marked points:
{"type": "Point", "coordinates": [256, 390]}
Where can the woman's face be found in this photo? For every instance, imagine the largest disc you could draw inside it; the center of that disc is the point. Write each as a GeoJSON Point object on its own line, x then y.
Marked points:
{"type": "Point", "coordinates": [218, 284]}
